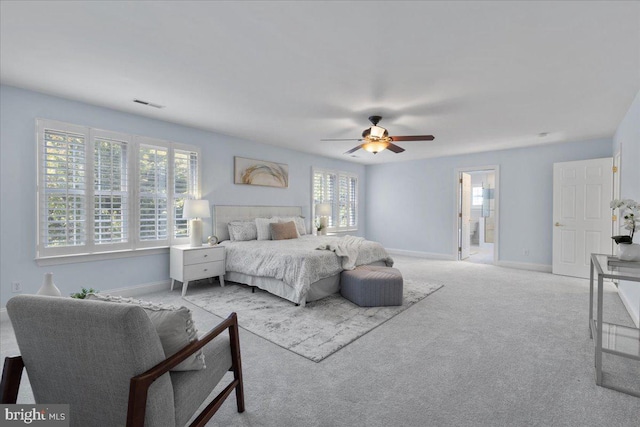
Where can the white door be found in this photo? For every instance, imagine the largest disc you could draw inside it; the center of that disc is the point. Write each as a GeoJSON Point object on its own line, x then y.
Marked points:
{"type": "Point", "coordinates": [582, 191]}
{"type": "Point", "coordinates": [465, 215]}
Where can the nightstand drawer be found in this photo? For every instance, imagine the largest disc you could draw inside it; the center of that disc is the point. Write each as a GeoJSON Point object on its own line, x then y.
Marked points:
{"type": "Point", "coordinates": [198, 256]}
{"type": "Point", "coordinates": [203, 270]}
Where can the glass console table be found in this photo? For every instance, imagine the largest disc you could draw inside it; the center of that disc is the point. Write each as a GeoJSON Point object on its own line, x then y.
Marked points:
{"type": "Point", "coordinates": [615, 339]}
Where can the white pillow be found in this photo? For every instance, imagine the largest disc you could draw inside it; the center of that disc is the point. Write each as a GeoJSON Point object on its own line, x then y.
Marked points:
{"type": "Point", "coordinates": [263, 229]}
{"type": "Point", "coordinates": [174, 325]}
{"type": "Point", "coordinates": [299, 223]}
{"type": "Point", "coordinates": [242, 230]}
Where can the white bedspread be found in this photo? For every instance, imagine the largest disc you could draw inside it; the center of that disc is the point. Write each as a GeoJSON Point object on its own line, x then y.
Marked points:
{"type": "Point", "coordinates": [296, 261]}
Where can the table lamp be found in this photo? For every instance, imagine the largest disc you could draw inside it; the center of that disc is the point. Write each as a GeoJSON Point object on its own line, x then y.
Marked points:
{"type": "Point", "coordinates": [323, 210]}
{"type": "Point", "coordinates": [195, 210]}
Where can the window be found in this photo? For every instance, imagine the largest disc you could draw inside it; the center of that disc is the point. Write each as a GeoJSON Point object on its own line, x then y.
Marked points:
{"type": "Point", "coordinates": [340, 190]}
{"type": "Point", "coordinates": [476, 196]}
{"type": "Point", "coordinates": [102, 191]}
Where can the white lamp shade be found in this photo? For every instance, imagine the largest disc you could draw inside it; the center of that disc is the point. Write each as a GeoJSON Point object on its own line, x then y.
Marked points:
{"type": "Point", "coordinates": [323, 209]}
{"type": "Point", "coordinates": [196, 209]}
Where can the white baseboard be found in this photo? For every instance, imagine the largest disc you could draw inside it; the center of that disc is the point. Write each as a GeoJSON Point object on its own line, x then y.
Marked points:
{"type": "Point", "coordinates": [525, 266]}
{"type": "Point", "coordinates": [129, 291]}
{"type": "Point", "coordinates": [627, 304]}
{"type": "Point", "coordinates": [137, 290]}
{"type": "Point", "coordinates": [419, 254]}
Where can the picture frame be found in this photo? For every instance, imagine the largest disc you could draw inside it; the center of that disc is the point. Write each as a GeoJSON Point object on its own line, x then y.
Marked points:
{"type": "Point", "coordinates": [260, 172]}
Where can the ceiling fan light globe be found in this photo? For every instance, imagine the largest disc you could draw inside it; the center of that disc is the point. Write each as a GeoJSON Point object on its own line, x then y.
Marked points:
{"type": "Point", "coordinates": [375, 146]}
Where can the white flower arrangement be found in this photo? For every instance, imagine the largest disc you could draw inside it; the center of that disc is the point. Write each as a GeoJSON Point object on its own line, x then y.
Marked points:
{"type": "Point", "coordinates": [630, 212]}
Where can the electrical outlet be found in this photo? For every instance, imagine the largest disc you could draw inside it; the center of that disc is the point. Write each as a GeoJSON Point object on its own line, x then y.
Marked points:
{"type": "Point", "coordinates": [16, 287]}
{"type": "Point", "coordinates": [525, 252]}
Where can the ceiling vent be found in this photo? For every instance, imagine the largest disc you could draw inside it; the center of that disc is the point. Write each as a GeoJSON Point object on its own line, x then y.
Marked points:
{"type": "Point", "coordinates": [150, 104]}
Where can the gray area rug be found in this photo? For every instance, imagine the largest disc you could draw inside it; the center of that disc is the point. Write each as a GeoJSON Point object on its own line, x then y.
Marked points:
{"type": "Point", "coordinates": [315, 331]}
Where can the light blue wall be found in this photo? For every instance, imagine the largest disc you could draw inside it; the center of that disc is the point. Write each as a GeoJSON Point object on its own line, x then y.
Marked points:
{"type": "Point", "coordinates": [627, 140]}
{"type": "Point", "coordinates": [19, 109]}
{"type": "Point", "coordinates": [411, 205]}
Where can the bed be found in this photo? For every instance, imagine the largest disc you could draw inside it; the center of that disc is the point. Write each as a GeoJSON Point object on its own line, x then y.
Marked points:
{"type": "Point", "coordinates": [291, 269]}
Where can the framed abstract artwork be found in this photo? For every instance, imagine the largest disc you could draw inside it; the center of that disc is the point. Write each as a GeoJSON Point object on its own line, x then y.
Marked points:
{"type": "Point", "coordinates": [260, 172]}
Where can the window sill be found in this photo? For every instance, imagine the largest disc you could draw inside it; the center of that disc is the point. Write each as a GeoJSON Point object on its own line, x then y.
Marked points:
{"type": "Point", "coordinates": [72, 259]}
{"type": "Point", "coordinates": [334, 232]}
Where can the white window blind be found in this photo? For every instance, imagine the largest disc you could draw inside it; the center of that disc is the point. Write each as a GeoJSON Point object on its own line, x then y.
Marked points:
{"type": "Point", "coordinates": [340, 190]}
{"type": "Point", "coordinates": [110, 191]}
{"type": "Point", "coordinates": [476, 196]}
{"type": "Point", "coordinates": [102, 191]}
{"type": "Point", "coordinates": [153, 193]}
{"type": "Point", "coordinates": [185, 186]}
{"type": "Point", "coordinates": [63, 205]}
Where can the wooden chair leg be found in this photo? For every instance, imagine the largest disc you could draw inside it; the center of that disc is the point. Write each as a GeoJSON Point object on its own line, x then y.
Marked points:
{"type": "Point", "coordinates": [11, 375]}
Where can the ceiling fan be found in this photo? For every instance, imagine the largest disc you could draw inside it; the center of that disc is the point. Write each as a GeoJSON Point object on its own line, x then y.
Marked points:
{"type": "Point", "coordinates": [377, 138]}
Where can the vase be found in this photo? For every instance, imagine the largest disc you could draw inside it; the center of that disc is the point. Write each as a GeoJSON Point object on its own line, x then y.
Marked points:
{"type": "Point", "coordinates": [49, 288]}
{"type": "Point", "coordinates": [629, 252]}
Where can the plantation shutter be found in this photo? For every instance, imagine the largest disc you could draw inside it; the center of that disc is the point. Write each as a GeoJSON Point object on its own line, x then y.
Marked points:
{"type": "Point", "coordinates": [352, 217]}
{"type": "Point", "coordinates": [63, 184]}
{"type": "Point", "coordinates": [185, 186]}
{"type": "Point", "coordinates": [153, 178]}
{"type": "Point", "coordinates": [111, 210]}
{"type": "Point", "coordinates": [343, 201]}
{"type": "Point", "coordinates": [101, 191]}
{"type": "Point", "coordinates": [325, 190]}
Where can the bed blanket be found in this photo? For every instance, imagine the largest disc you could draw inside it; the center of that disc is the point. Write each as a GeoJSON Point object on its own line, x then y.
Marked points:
{"type": "Point", "coordinates": [347, 248]}
{"type": "Point", "coordinates": [296, 261]}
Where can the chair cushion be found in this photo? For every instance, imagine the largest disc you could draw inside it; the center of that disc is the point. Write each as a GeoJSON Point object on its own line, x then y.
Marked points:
{"type": "Point", "coordinates": [174, 325]}
{"type": "Point", "coordinates": [190, 389]}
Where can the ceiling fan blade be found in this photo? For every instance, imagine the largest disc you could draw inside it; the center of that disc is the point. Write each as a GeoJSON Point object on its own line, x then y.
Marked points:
{"type": "Point", "coordinates": [352, 139]}
{"type": "Point", "coordinates": [395, 148]}
{"type": "Point", "coordinates": [413, 138]}
{"type": "Point", "coordinates": [354, 149]}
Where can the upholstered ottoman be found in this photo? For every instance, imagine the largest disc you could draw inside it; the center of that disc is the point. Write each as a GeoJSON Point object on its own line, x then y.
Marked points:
{"type": "Point", "coordinates": [372, 286]}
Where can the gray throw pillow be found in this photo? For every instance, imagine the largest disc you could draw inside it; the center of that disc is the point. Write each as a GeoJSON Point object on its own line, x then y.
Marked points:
{"type": "Point", "coordinates": [174, 325]}
{"type": "Point", "coordinates": [242, 230]}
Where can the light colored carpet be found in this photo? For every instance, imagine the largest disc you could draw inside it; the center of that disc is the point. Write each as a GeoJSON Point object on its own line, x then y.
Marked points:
{"type": "Point", "coordinates": [493, 347]}
{"type": "Point", "coordinates": [315, 331]}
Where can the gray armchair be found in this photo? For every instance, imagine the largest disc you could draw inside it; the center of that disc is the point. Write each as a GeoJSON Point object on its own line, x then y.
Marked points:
{"type": "Point", "coordinates": [106, 361]}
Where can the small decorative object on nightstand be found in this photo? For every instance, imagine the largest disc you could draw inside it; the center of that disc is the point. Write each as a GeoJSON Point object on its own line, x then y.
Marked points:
{"type": "Point", "coordinates": [188, 264]}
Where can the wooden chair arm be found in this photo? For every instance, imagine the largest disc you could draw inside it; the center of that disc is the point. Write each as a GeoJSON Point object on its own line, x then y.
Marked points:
{"type": "Point", "coordinates": [11, 375]}
{"type": "Point", "coordinates": [139, 385]}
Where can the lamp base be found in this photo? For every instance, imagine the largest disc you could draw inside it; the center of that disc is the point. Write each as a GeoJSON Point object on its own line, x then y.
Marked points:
{"type": "Point", "coordinates": [196, 233]}
{"type": "Point", "coordinates": [323, 222]}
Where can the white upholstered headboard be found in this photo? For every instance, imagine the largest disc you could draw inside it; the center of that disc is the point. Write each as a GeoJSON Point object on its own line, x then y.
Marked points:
{"type": "Point", "coordinates": [222, 215]}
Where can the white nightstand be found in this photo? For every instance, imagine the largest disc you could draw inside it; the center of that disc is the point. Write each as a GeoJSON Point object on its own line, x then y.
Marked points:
{"type": "Point", "coordinates": [188, 264]}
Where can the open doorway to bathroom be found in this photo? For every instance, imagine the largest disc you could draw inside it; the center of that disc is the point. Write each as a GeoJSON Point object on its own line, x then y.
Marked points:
{"type": "Point", "coordinates": [477, 214]}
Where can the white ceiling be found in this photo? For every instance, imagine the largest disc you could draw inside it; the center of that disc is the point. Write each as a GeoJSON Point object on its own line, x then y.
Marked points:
{"type": "Point", "coordinates": [477, 75]}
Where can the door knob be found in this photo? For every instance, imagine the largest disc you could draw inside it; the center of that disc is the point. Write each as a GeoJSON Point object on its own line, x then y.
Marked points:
{"type": "Point", "coordinates": [558, 224]}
